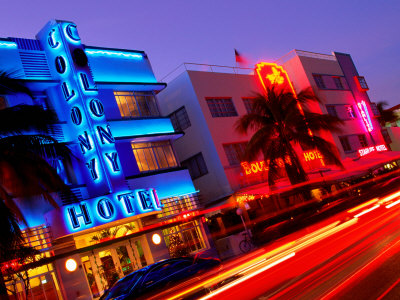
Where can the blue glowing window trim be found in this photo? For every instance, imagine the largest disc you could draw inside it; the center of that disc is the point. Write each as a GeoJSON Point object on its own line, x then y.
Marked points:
{"type": "Point", "coordinates": [180, 195]}
{"type": "Point", "coordinates": [8, 45]}
{"type": "Point", "coordinates": [114, 53]}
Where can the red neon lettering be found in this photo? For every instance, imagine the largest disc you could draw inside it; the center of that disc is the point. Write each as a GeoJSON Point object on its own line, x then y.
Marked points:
{"type": "Point", "coordinates": [362, 107]}
{"type": "Point", "coordinates": [367, 150]}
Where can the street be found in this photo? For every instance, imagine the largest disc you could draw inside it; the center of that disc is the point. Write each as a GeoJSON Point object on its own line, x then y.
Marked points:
{"type": "Point", "coordinates": [352, 255]}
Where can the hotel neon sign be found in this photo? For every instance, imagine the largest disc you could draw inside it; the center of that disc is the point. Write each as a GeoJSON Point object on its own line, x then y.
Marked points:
{"type": "Point", "coordinates": [362, 107]}
{"type": "Point", "coordinates": [105, 181]}
{"type": "Point", "coordinates": [368, 150]}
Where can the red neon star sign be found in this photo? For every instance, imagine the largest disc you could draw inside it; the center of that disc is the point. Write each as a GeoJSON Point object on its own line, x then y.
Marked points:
{"type": "Point", "coordinates": [271, 73]}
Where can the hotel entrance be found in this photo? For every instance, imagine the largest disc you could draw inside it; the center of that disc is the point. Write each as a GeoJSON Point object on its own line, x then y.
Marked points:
{"type": "Point", "coordinates": [104, 266]}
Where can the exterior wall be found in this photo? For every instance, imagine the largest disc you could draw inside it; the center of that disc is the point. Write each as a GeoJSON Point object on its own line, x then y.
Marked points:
{"type": "Point", "coordinates": [301, 69]}
{"type": "Point", "coordinates": [197, 138]}
{"type": "Point", "coordinates": [192, 88]}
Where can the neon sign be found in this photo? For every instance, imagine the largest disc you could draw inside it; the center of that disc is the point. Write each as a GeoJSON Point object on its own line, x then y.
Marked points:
{"type": "Point", "coordinates": [114, 53]}
{"type": "Point", "coordinates": [362, 107]}
{"type": "Point", "coordinates": [101, 210]}
{"type": "Point", "coordinates": [271, 73]}
{"type": "Point", "coordinates": [368, 150]}
{"type": "Point", "coordinates": [110, 198]}
{"type": "Point", "coordinates": [87, 117]}
{"type": "Point", "coordinates": [251, 168]}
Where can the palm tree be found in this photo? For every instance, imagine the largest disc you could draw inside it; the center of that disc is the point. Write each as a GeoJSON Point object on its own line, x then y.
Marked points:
{"type": "Point", "coordinates": [385, 115]}
{"type": "Point", "coordinates": [27, 152]}
{"type": "Point", "coordinates": [278, 125]}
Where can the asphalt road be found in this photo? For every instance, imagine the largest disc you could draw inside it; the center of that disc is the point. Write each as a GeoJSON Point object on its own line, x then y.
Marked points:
{"type": "Point", "coordinates": [352, 255]}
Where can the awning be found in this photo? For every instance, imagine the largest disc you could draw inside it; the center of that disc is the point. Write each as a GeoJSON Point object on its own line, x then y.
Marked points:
{"type": "Point", "coordinates": [132, 86]}
{"type": "Point", "coordinates": [354, 168]}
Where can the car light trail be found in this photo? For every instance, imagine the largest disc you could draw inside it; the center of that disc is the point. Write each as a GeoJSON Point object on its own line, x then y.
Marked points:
{"type": "Point", "coordinates": [346, 281]}
{"type": "Point", "coordinates": [390, 197]}
{"type": "Point", "coordinates": [285, 250]}
{"type": "Point", "coordinates": [393, 204]}
{"type": "Point", "coordinates": [245, 266]}
{"type": "Point", "coordinates": [246, 277]}
{"type": "Point", "coordinates": [367, 211]}
{"type": "Point", "coordinates": [363, 205]}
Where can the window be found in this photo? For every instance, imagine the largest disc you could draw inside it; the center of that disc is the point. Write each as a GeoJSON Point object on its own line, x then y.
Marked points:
{"type": "Point", "coordinates": [374, 109]}
{"type": "Point", "coordinates": [221, 107]}
{"type": "Point", "coordinates": [386, 136]}
{"type": "Point", "coordinates": [136, 104]}
{"type": "Point", "coordinates": [338, 83]}
{"type": "Point", "coordinates": [180, 119]}
{"type": "Point", "coordinates": [344, 140]}
{"type": "Point", "coordinates": [319, 81]}
{"type": "Point", "coordinates": [248, 104]}
{"type": "Point", "coordinates": [178, 204]}
{"type": "Point", "coordinates": [196, 166]}
{"type": "Point", "coordinates": [363, 140]}
{"type": "Point", "coordinates": [332, 110]}
{"type": "Point", "coordinates": [350, 112]}
{"type": "Point", "coordinates": [362, 84]}
{"type": "Point", "coordinates": [154, 156]}
{"type": "Point", "coordinates": [235, 153]}
{"type": "Point", "coordinates": [189, 233]}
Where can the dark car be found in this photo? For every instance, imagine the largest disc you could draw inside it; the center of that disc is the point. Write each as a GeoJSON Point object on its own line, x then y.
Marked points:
{"type": "Point", "coordinates": [158, 275]}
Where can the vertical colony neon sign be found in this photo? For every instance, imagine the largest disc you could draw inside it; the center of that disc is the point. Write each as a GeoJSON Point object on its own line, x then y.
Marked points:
{"type": "Point", "coordinates": [97, 145]}
{"type": "Point", "coordinates": [362, 107]}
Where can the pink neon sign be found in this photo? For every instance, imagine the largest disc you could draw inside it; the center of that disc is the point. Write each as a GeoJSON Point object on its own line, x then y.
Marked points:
{"type": "Point", "coordinates": [368, 150]}
{"type": "Point", "coordinates": [362, 107]}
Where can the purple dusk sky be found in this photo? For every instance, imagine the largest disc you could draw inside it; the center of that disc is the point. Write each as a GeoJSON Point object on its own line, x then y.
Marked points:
{"type": "Point", "coordinates": [172, 32]}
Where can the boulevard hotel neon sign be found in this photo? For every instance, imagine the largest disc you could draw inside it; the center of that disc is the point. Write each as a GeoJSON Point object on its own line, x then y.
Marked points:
{"type": "Point", "coordinates": [101, 170]}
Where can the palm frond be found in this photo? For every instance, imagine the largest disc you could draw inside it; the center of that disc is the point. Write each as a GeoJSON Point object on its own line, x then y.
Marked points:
{"type": "Point", "coordinates": [17, 119]}
{"type": "Point", "coordinates": [10, 83]}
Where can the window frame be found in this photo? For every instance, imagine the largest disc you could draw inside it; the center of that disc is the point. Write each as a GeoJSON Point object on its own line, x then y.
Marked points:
{"type": "Point", "coordinates": [218, 107]}
{"type": "Point", "coordinates": [351, 114]}
{"type": "Point", "coordinates": [344, 141]}
{"type": "Point", "coordinates": [332, 108]}
{"type": "Point", "coordinates": [134, 109]}
{"type": "Point", "coordinates": [338, 82]}
{"type": "Point", "coordinates": [363, 140]}
{"type": "Point", "coordinates": [248, 102]}
{"type": "Point", "coordinates": [235, 158]}
{"type": "Point", "coordinates": [319, 81]}
{"type": "Point", "coordinates": [153, 150]}
{"type": "Point", "coordinates": [187, 164]}
{"type": "Point", "coordinates": [177, 122]}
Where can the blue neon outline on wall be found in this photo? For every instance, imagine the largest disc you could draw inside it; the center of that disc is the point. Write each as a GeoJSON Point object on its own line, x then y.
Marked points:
{"type": "Point", "coordinates": [105, 206]}
{"type": "Point", "coordinates": [8, 45]}
{"type": "Point", "coordinates": [70, 34]}
{"type": "Point", "coordinates": [114, 53]}
{"type": "Point", "coordinates": [53, 43]}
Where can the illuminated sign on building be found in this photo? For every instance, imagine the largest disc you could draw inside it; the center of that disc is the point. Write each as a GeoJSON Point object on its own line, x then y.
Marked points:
{"type": "Point", "coordinates": [251, 168]}
{"type": "Point", "coordinates": [87, 121]}
{"type": "Point", "coordinates": [368, 150]}
{"type": "Point", "coordinates": [110, 198]}
{"type": "Point", "coordinates": [271, 73]}
{"type": "Point", "coordinates": [362, 107]}
{"type": "Point", "coordinates": [104, 209]}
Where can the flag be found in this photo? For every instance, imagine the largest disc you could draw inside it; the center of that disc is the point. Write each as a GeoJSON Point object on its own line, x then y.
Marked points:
{"type": "Point", "coordinates": [239, 58]}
